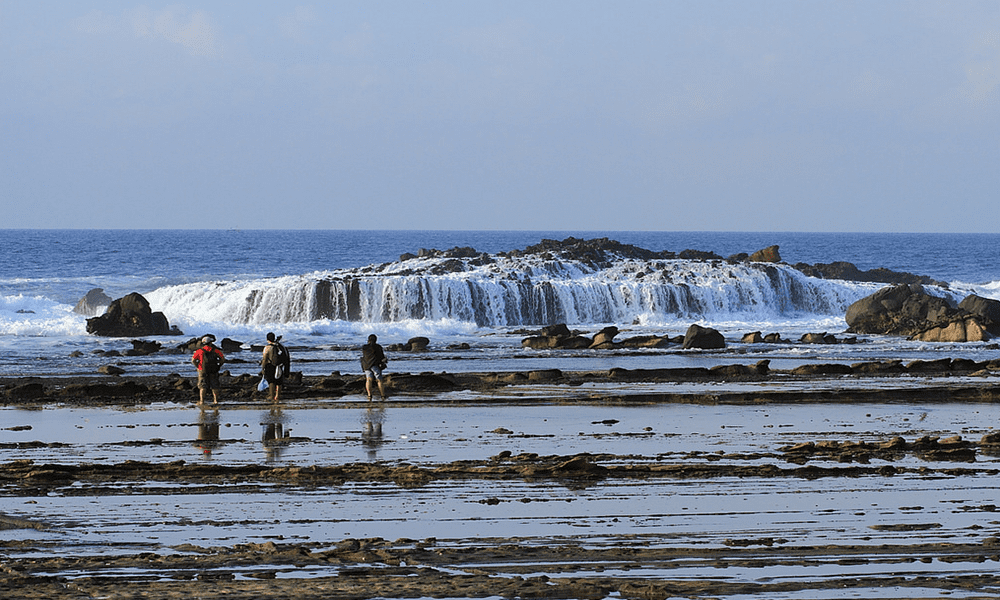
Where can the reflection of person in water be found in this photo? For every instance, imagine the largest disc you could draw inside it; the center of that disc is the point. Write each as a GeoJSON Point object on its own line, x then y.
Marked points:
{"type": "Point", "coordinates": [208, 431]}
{"type": "Point", "coordinates": [274, 436]}
{"type": "Point", "coordinates": [371, 435]}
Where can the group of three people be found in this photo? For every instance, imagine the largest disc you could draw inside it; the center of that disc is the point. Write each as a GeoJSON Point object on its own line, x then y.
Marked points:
{"type": "Point", "coordinates": [275, 362]}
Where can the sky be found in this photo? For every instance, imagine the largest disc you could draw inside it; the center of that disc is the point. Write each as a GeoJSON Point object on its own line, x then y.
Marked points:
{"type": "Point", "coordinates": [700, 115]}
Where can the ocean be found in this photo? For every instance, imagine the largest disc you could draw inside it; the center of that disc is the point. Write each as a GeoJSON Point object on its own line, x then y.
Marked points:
{"type": "Point", "coordinates": [325, 291]}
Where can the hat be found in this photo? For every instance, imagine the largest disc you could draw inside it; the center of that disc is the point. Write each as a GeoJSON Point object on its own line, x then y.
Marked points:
{"type": "Point", "coordinates": [208, 339]}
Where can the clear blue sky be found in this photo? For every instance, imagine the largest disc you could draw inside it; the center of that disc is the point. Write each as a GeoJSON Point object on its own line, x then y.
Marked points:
{"type": "Point", "coordinates": [554, 115]}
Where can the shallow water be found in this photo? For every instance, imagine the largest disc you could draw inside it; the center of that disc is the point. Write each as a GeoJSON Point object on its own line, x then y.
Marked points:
{"type": "Point", "coordinates": [432, 432]}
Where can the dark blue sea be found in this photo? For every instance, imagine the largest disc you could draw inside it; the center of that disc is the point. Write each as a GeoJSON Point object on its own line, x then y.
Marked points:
{"type": "Point", "coordinates": [327, 289]}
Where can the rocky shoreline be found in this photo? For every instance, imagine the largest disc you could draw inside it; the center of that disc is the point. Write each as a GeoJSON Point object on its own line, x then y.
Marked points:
{"type": "Point", "coordinates": [118, 389]}
{"type": "Point", "coordinates": [595, 564]}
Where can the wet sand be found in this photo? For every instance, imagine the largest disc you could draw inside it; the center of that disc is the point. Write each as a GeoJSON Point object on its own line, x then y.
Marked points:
{"type": "Point", "coordinates": [632, 484]}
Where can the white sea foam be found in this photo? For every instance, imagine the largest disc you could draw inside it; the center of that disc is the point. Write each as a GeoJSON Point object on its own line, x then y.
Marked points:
{"type": "Point", "coordinates": [38, 316]}
{"type": "Point", "coordinates": [526, 291]}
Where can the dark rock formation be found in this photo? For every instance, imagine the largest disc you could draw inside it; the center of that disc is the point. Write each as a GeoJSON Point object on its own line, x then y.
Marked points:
{"type": "Point", "coordinates": [130, 316]}
{"type": "Point", "coordinates": [987, 309]}
{"type": "Point", "coordinates": [908, 310]}
{"type": "Point", "coordinates": [143, 348]}
{"type": "Point", "coordinates": [604, 339]}
{"type": "Point", "coordinates": [93, 304]}
{"type": "Point", "coordinates": [704, 338]}
{"type": "Point", "coordinates": [897, 310]}
{"type": "Point", "coordinates": [849, 272]}
{"type": "Point", "coordinates": [417, 344]}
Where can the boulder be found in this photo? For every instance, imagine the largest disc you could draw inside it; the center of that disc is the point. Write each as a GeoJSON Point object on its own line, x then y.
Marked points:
{"type": "Point", "coordinates": [773, 338]}
{"type": "Point", "coordinates": [965, 328]}
{"type": "Point", "coordinates": [417, 344]}
{"type": "Point", "coordinates": [541, 342]}
{"type": "Point", "coordinates": [986, 309]}
{"type": "Point", "coordinates": [130, 316]}
{"type": "Point", "coordinates": [230, 345]}
{"type": "Point", "coordinates": [753, 338]}
{"type": "Point", "coordinates": [559, 330]}
{"type": "Point", "coordinates": [818, 338]}
{"type": "Point", "coordinates": [93, 304]}
{"type": "Point", "coordinates": [605, 336]}
{"type": "Point", "coordinates": [898, 310]}
{"type": "Point", "coordinates": [645, 341]}
{"type": "Point", "coordinates": [575, 342]}
{"type": "Point", "coordinates": [769, 254]}
{"type": "Point", "coordinates": [704, 338]}
{"type": "Point", "coordinates": [144, 347]}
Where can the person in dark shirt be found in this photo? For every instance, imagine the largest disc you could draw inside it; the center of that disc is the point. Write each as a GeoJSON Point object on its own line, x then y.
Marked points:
{"type": "Point", "coordinates": [373, 360]}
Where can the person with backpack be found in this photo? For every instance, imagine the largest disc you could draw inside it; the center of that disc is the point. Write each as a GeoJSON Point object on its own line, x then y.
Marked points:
{"type": "Point", "coordinates": [373, 361]}
{"type": "Point", "coordinates": [276, 363]}
{"type": "Point", "coordinates": [209, 360]}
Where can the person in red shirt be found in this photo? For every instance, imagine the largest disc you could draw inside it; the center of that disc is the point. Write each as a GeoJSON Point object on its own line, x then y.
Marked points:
{"type": "Point", "coordinates": [209, 360]}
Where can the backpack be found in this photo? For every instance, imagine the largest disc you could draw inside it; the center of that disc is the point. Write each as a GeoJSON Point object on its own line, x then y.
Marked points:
{"type": "Point", "coordinates": [210, 361]}
{"type": "Point", "coordinates": [284, 361]}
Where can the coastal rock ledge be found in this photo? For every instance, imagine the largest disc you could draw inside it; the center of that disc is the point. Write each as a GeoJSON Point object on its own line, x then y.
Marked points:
{"type": "Point", "coordinates": [130, 316]}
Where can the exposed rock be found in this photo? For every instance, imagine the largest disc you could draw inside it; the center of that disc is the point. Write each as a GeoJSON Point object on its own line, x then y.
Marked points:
{"type": "Point", "coordinates": [769, 254]}
{"type": "Point", "coordinates": [959, 329]}
{"type": "Point", "coordinates": [144, 347]}
{"type": "Point", "coordinates": [110, 370]}
{"type": "Point", "coordinates": [541, 342]}
{"type": "Point", "coordinates": [559, 330]}
{"type": "Point", "coordinates": [417, 344]}
{"type": "Point", "coordinates": [818, 338]}
{"type": "Point", "coordinates": [704, 338]}
{"type": "Point", "coordinates": [849, 272]}
{"type": "Point", "coordinates": [605, 336]}
{"type": "Point", "coordinates": [987, 309]}
{"type": "Point", "coordinates": [93, 304]}
{"type": "Point", "coordinates": [898, 310]}
{"type": "Point", "coordinates": [230, 345]}
{"type": "Point", "coordinates": [575, 342]}
{"type": "Point", "coordinates": [752, 338]}
{"type": "Point", "coordinates": [699, 255]}
{"type": "Point", "coordinates": [822, 369]}
{"type": "Point", "coordinates": [734, 371]}
{"type": "Point", "coordinates": [644, 341]}
{"type": "Point", "coordinates": [26, 391]}
{"type": "Point", "coordinates": [773, 338]}
{"type": "Point", "coordinates": [130, 316]}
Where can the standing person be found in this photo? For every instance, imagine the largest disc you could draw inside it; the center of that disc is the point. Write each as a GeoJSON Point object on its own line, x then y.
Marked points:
{"type": "Point", "coordinates": [209, 360]}
{"type": "Point", "coordinates": [373, 360]}
{"type": "Point", "coordinates": [276, 363]}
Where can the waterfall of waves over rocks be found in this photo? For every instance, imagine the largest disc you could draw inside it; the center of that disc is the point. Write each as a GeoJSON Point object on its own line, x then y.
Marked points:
{"type": "Point", "coordinates": [573, 281]}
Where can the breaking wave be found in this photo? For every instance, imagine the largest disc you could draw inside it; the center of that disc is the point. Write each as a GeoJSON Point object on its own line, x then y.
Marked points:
{"type": "Point", "coordinates": [513, 290]}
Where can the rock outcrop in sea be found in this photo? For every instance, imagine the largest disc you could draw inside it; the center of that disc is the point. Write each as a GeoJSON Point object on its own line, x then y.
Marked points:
{"type": "Point", "coordinates": [130, 316]}
{"type": "Point", "coordinates": [908, 310]}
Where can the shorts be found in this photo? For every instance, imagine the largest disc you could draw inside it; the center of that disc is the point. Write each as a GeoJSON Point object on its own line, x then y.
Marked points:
{"type": "Point", "coordinates": [269, 375]}
{"type": "Point", "coordinates": [208, 381]}
{"type": "Point", "coordinates": [375, 372]}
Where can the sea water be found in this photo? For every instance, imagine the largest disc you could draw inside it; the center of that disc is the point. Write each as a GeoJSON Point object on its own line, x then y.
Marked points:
{"type": "Point", "coordinates": [241, 284]}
